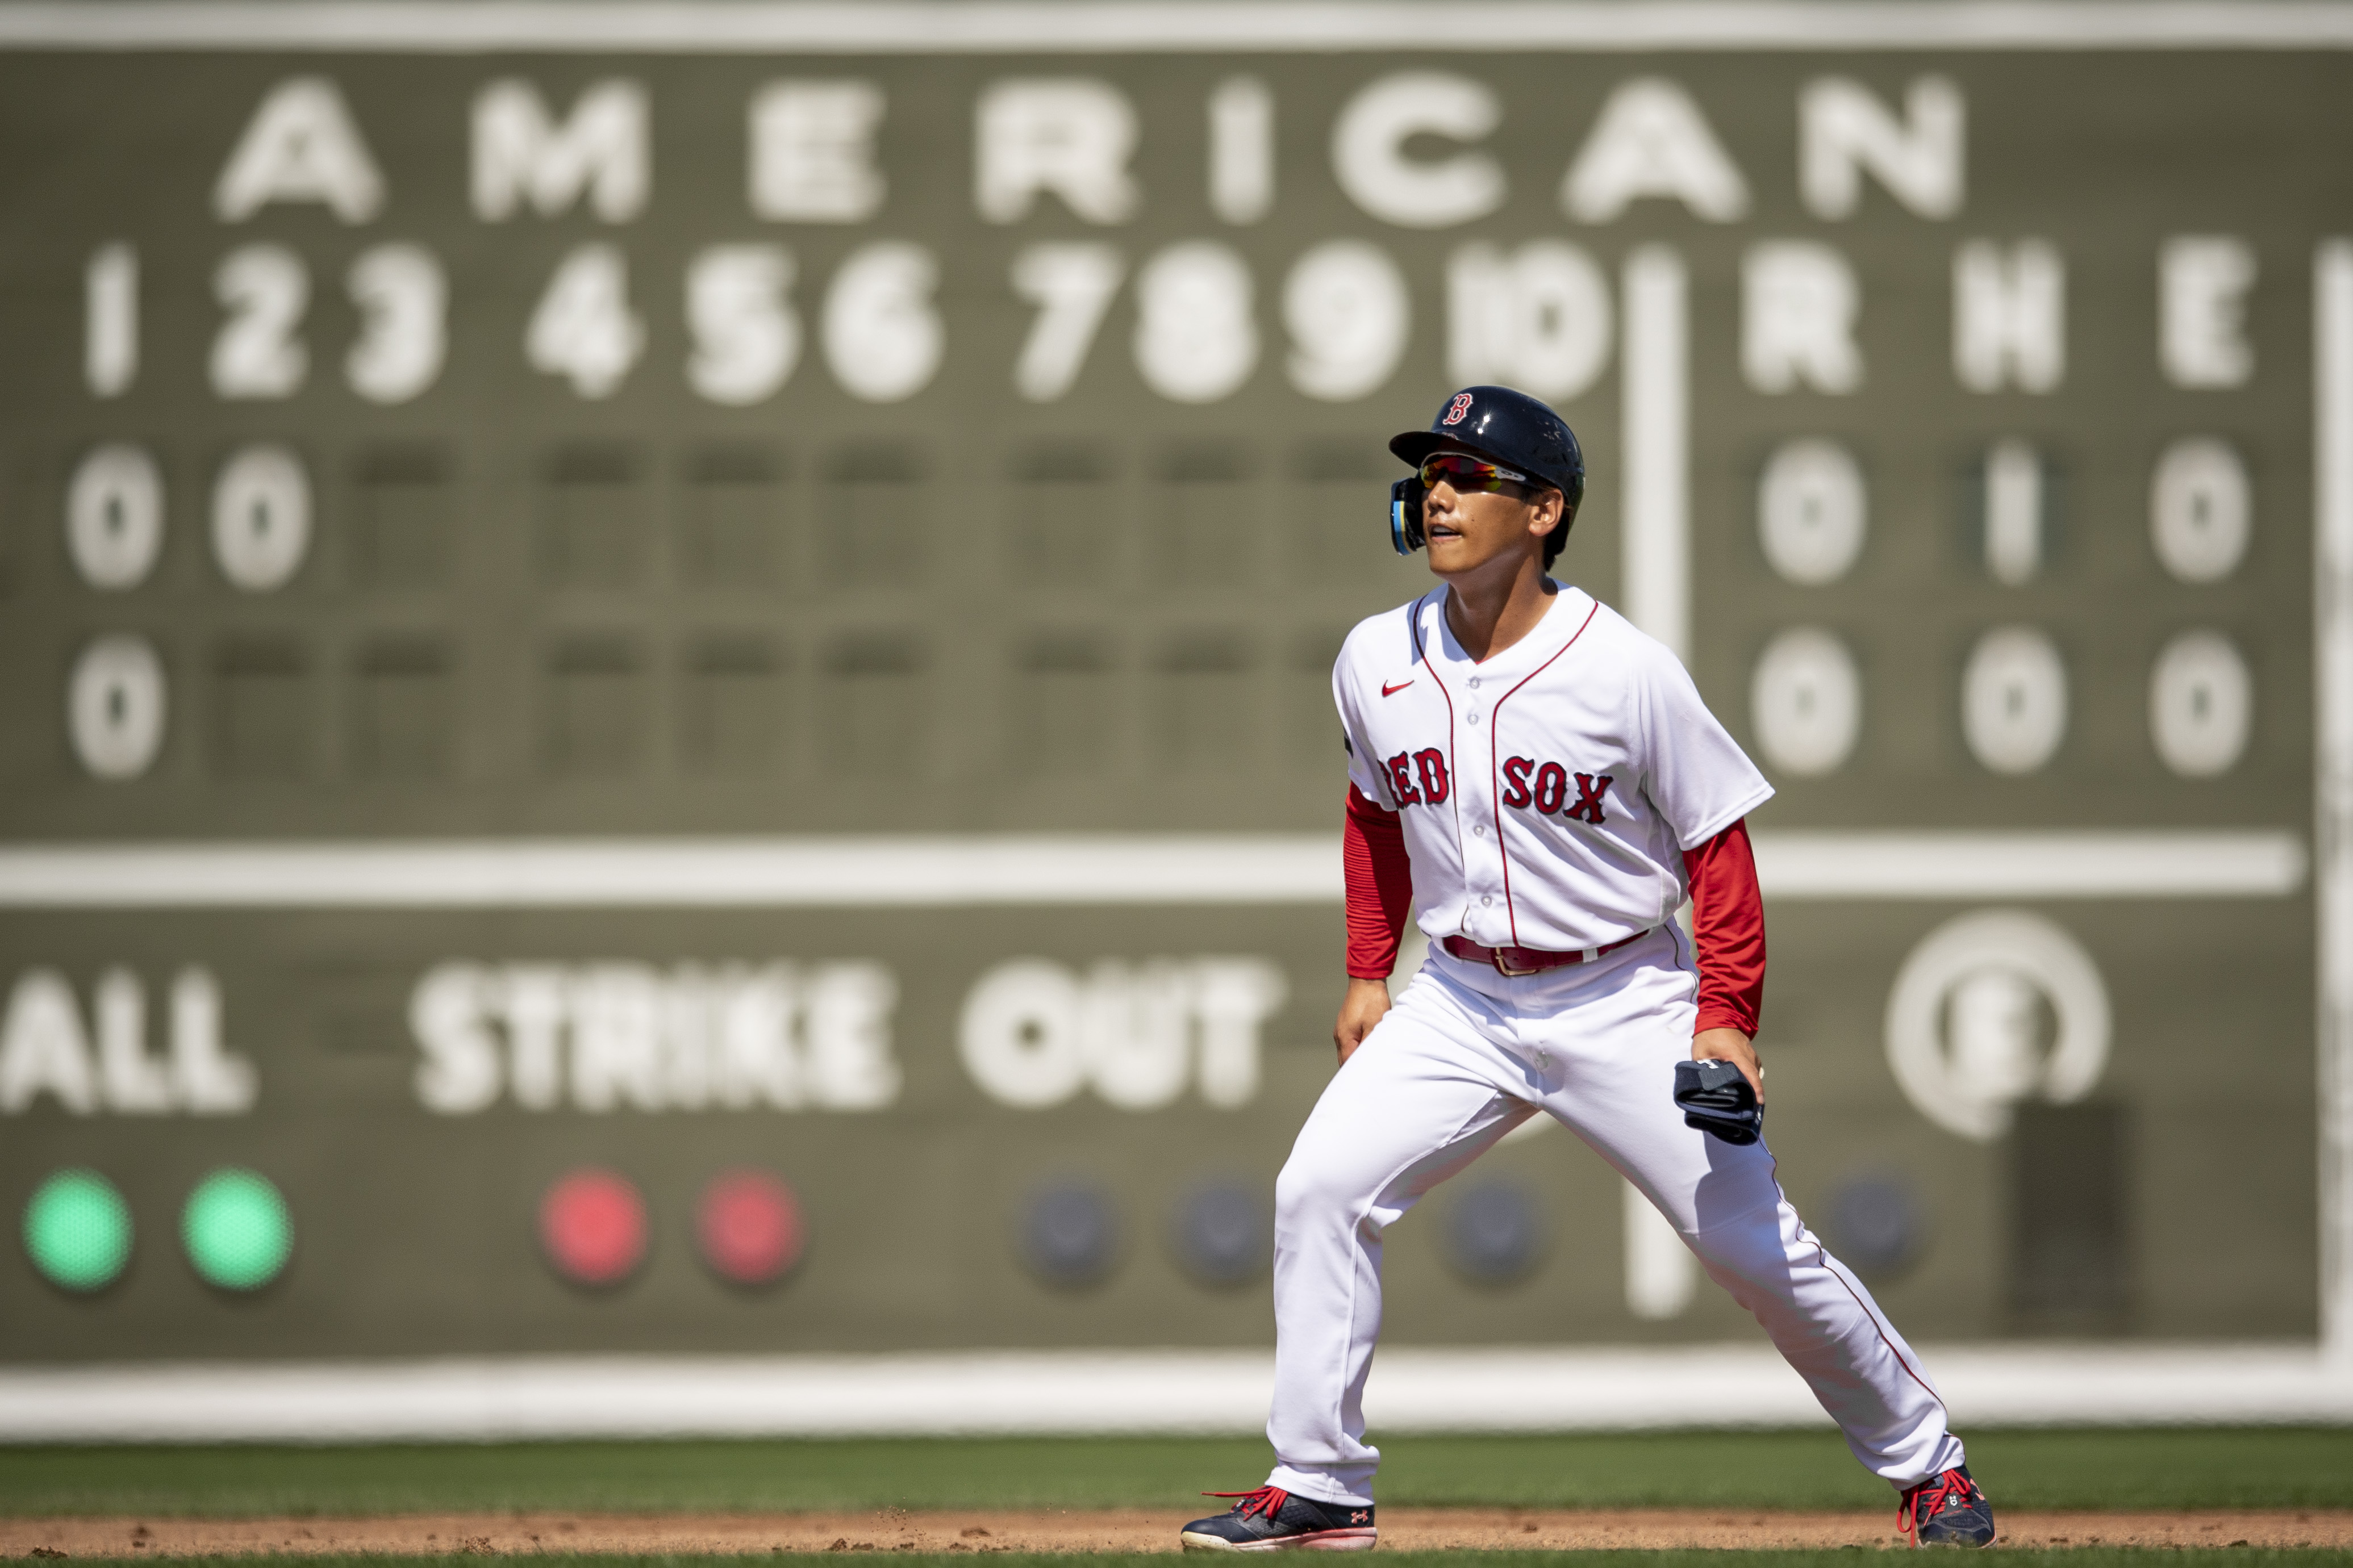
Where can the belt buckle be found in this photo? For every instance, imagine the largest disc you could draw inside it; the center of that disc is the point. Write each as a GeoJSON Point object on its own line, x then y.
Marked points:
{"type": "Point", "coordinates": [1508, 973]}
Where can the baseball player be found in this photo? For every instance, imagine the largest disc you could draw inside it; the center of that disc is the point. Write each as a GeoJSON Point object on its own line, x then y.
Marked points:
{"type": "Point", "coordinates": [1540, 785]}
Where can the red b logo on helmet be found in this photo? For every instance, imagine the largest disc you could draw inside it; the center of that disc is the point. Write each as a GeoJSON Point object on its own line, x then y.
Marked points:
{"type": "Point", "coordinates": [1461, 406]}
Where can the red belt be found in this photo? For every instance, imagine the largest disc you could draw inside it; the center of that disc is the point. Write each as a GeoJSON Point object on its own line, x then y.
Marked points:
{"type": "Point", "coordinates": [1518, 961]}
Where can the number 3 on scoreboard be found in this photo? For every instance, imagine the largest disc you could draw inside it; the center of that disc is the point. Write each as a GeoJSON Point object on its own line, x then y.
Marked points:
{"type": "Point", "coordinates": [404, 305]}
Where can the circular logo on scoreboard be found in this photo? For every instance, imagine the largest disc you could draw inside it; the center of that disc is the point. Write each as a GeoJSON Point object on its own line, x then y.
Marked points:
{"type": "Point", "coordinates": [1992, 1008]}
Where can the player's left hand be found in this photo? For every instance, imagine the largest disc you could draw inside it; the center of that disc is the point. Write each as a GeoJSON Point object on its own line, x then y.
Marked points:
{"type": "Point", "coordinates": [1731, 1046]}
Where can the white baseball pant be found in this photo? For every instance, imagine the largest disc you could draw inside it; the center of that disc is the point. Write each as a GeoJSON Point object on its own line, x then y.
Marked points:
{"type": "Point", "coordinates": [1465, 1056]}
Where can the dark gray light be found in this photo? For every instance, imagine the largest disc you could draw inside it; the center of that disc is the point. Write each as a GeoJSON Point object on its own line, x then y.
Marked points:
{"type": "Point", "coordinates": [1495, 1234]}
{"type": "Point", "coordinates": [1875, 1224]}
{"type": "Point", "coordinates": [1220, 1234]}
{"type": "Point", "coordinates": [1070, 1235]}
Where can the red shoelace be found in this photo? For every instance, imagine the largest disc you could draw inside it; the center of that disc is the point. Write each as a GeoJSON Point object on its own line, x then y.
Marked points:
{"type": "Point", "coordinates": [1927, 1499]}
{"type": "Point", "coordinates": [1265, 1500]}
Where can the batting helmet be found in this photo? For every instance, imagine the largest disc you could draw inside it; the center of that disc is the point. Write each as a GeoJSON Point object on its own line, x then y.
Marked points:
{"type": "Point", "coordinates": [1514, 429]}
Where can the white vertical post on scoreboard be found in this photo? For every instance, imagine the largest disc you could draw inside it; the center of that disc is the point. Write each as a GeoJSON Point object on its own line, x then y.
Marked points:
{"type": "Point", "coordinates": [1655, 525]}
{"type": "Point", "coordinates": [1662, 1276]}
{"type": "Point", "coordinates": [2333, 779]}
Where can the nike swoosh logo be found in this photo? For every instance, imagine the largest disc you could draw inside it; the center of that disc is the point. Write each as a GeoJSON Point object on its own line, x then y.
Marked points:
{"type": "Point", "coordinates": [1389, 690]}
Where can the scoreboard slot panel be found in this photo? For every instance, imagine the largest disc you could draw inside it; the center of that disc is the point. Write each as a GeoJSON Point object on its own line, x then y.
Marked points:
{"type": "Point", "coordinates": [1212, 528]}
{"type": "Point", "coordinates": [595, 712]}
{"type": "Point", "coordinates": [1061, 522]}
{"type": "Point", "coordinates": [876, 537]}
{"type": "Point", "coordinates": [406, 523]}
{"type": "Point", "coordinates": [735, 706]}
{"type": "Point", "coordinates": [1205, 710]}
{"type": "Point", "coordinates": [1061, 715]}
{"type": "Point", "coordinates": [595, 521]}
{"type": "Point", "coordinates": [737, 533]}
{"type": "Point", "coordinates": [875, 703]}
{"type": "Point", "coordinates": [2071, 1264]}
{"type": "Point", "coordinates": [404, 698]}
{"type": "Point", "coordinates": [662, 516]}
{"type": "Point", "coordinates": [264, 710]}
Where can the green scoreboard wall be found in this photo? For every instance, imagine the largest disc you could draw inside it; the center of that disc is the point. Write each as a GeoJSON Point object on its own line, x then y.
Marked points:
{"type": "Point", "coordinates": [667, 671]}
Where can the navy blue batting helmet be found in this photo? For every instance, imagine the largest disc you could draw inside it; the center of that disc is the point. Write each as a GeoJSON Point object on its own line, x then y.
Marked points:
{"type": "Point", "coordinates": [1514, 429]}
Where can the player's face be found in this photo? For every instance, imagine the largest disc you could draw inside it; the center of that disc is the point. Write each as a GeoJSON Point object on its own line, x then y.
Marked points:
{"type": "Point", "coordinates": [1472, 520]}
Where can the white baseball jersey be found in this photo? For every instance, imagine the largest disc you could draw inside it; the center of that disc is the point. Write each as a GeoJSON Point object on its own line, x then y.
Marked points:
{"type": "Point", "coordinates": [1547, 793]}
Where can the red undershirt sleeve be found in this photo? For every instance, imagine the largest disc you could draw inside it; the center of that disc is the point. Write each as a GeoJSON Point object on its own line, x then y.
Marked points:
{"type": "Point", "coordinates": [1380, 886]}
{"type": "Point", "coordinates": [1727, 927]}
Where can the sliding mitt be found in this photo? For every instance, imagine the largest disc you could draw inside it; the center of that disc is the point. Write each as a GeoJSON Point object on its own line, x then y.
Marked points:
{"type": "Point", "coordinates": [1715, 1099]}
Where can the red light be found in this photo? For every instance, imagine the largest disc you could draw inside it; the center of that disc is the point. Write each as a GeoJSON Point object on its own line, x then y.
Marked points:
{"type": "Point", "coordinates": [749, 1228]}
{"type": "Point", "coordinates": [592, 1225]}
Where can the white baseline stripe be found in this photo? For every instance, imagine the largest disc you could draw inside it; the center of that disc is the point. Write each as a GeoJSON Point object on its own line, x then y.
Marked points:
{"type": "Point", "coordinates": [2051, 864]}
{"type": "Point", "coordinates": [1527, 1388]}
{"type": "Point", "coordinates": [966, 872]}
{"type": "Point", "coordinates": [842, 873]}
{"type": "Point", "coordinates": [1101, 26]}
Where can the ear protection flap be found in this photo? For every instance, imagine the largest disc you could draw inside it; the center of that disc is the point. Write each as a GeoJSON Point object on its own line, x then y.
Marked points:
{"type": "Point", "coordinates": [1405, 514]}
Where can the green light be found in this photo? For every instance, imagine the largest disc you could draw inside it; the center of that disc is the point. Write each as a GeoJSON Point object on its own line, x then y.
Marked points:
{"type": "Point", "coordinates": [236, 1229]}
{"type": "Point", "coordinates": [78, 1230]}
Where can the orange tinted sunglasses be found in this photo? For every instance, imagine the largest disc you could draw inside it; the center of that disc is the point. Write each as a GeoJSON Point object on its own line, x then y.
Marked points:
{"type": "Point", "coordinates": [1467, 474]}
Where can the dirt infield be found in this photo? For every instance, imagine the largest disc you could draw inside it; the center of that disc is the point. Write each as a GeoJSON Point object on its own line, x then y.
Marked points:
{"type": "Point", "coordinates": [1113, 1530]}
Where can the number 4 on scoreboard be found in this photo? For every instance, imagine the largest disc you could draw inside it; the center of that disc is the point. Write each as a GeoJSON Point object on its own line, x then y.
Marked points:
{"type": "Point", "coordinates": [583, 328]}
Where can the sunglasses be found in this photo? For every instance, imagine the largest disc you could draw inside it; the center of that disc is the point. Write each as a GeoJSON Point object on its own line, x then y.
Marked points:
{"type": "Point", "coordinates": [1467, 474]}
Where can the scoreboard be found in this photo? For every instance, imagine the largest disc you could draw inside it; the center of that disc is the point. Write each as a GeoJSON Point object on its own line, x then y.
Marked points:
{"type": "Point", "coordinates": [667, 668]}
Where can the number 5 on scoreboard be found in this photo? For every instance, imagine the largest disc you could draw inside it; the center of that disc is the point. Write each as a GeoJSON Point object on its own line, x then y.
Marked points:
{"type": "Point", "coordinates": [746, 337]}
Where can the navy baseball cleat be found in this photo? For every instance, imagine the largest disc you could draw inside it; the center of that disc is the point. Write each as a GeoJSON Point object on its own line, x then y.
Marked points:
{"type": "Point", "coordinates": [1271, 1518]}
{"type": "Point", "coordinates": [1947, 1510]}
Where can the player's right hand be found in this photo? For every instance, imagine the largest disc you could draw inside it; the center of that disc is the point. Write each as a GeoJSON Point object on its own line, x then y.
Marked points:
{"type": "Point", "coordinates": [1367, 1002]}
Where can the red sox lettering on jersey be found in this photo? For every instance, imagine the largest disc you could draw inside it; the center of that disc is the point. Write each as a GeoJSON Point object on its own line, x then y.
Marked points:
{"type": "Point", "coordinates": [1550, 792]}
{"type": "Point", "coordinates": [1540, 801]}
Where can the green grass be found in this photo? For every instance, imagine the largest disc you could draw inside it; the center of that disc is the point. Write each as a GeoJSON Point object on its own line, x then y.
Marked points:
{"type": "Point", "coordinates": [2273, 1467]}
{"type": "Point", "coordinates": [2074, 1557]}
